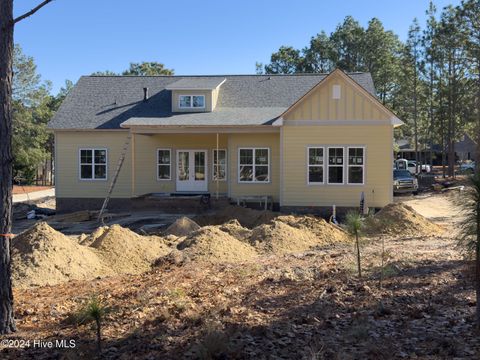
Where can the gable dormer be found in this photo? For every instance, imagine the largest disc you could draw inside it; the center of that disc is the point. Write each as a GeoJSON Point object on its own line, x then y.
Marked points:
{"type": "Point", "coordinates": [195, 94]}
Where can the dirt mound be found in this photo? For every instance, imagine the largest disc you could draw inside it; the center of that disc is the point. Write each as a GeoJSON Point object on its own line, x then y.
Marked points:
{"type": "Point", "coordinates": [182, 227]}
{"type": "Point", "coordinates": [87, 240]}
{"type": "Point", "coordinates": [44, 256]}
{"type": "Point", "coordinates": [234, 228]}
{"type": "Point", "coordinates": [326, 233]}
{"type": "Point", "coordinates": [214, 245]}
{"type": "Point", "coordinates": [125, 251]}
{"type": "Point", "coordinates": [401, 219]}
{"type": "Point", "coordinates": [245, 216]}
{"type": "Point", "coordinates": [279, 237]}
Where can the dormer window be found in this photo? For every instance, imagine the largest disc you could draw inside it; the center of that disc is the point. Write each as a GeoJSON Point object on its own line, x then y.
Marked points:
{"type": "Point", "coordinates": [191, 101]}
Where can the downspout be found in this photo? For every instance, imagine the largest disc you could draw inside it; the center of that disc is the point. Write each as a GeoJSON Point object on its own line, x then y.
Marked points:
{"type": "Point", "coordinates": [218, 168]}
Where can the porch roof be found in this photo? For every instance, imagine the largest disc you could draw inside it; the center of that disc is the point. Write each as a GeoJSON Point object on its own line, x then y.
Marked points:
{"type": "Point", "coordinates": [220, 117]}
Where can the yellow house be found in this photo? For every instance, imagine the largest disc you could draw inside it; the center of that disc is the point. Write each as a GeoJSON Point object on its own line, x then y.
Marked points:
{"type": "Point", "coordinates": [303, 141]}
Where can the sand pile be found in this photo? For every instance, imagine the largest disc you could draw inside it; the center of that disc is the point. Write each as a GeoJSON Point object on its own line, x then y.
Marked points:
{"type": "Point", "coordinates": [245, 216]}
{"type": "Point", "coordinates": [182, 227]}
{"type": "Point", "coordinates": [234, 228]}
{"type": "Point", "coordinates": [279, 237]}
{"type": "Point", "coordinates": [326, 233]}
{"type": "Point", "coordinates": [401, 219]}
{"type": "Point", "coordinates": [214, 245]}
{"type": "Point", "coordinates": [125, 251]}
{"type": "Point", "coordinates": [44, 256]}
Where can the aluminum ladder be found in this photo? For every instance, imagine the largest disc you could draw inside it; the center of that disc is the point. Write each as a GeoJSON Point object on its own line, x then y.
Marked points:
{"type": "Point", "coordinates": [121, 160]}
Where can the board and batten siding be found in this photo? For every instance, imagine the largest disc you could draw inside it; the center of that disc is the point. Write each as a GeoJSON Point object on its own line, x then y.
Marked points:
{"type": "Point", "coordinates": [67, 170]}
{"type": "Point", "coordinates": [146, 159]}
{"type": "Point", "coordinates": [353, 104]}
{"type": "Point", "coordinates": [266, 140]}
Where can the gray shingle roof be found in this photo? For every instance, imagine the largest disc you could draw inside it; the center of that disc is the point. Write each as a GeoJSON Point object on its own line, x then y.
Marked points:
{"type": "Point", "coordinates": [105, 102]}
{"type": "Point", "coordinates": [196, 83]}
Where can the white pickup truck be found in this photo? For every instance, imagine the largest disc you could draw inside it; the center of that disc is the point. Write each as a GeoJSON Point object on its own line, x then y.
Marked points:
{"type": "Point", "coordinates": [410, 165]}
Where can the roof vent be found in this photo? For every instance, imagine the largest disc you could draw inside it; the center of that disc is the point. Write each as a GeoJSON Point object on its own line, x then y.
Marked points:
{"type": "Point", "coordinates": [145, 93]}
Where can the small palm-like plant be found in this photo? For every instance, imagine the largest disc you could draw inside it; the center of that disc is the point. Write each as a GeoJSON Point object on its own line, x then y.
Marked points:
{"type": "Point", "coordinates": [470, 238]}
{"type": "Point", "coordinates": [94, 311]}
{"type": "Point", "coordinates": [354, 222]}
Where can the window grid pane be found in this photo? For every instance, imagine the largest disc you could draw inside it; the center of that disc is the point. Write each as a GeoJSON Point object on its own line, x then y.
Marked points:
{"type": "Point", "coordinates": [356, 160]}
{"type": "Point", "coordinates": [185, 101]}
{"type": "Point", "coordinates": [163, 157]}
{"type": "Point", "coordinates": [315, 174]}
{"type": "Point", "coordinates": [315, 156]}
{"type": "Point", "coordinates": [254, 165]}
{"type": "Point", "coordinates": [198, 101]}
{"type": "Point", "coordinates": [93, 164]}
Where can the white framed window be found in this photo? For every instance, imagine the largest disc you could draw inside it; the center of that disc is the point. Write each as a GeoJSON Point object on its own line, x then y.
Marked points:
{"type": "Point", "coordinates": [92, 164]}
{"type": "Point", "coordinates": [335, 164]}
{"type": "Point", "coordinates": [315, 165]}
{"type": "Point", "coordinates": [254, 165]}
{"type": "Point", "coordinates": [356, 165]}
{"type": "Point", "coordinates": [191, 101]}
{"type": "Point", "coordinates": [164, 164]}
{"type": "Point", "coordinates": [219, 164]}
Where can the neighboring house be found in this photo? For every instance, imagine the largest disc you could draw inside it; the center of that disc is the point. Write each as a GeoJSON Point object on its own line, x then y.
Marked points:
{"type": "Point", "coordinates": [465, 149]}
{"type": "Point", "coordinates": [307, 140]}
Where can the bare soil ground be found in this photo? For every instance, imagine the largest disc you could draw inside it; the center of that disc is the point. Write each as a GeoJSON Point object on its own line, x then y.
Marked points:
{"type": "Point", "coordinates": [307, 304]}
{"type": "Point", "coordinates": [17, 189]}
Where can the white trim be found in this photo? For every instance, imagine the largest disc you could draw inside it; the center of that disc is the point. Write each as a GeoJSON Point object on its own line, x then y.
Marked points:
{"type": "Point", "coordinates": [88, 130]}
{"type": "Point", "coordinates": [229, 167]}
{"type": "Point", "coordinates": [362, 166]}
{"type": "Point", "coordinates": [312, 122]}
{"type": "Point", "coordinates": [191, 101]}
{"type": "Point", "coordinates": [336, 92]}
{"type": "Point", "coordinates": [309, 166]}
{"type": "Point", "coordinates": [253, 165]}
{"type": "Point", "coordinates": [203, 129]}
{"type": "Point", "coordinates": [213, 164]}
{"type": "Point", "coordinates": [93, 164]}
{"type": "Point", "coordinates": [169, 164]}
{"type": "Point", "coordinates": [342, 166]}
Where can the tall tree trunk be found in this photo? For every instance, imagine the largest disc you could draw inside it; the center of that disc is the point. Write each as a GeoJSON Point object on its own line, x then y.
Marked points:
{"type": "Point", "coordinates": [415, 114]}
{"type": "Point", "coordinates": [7, 322]}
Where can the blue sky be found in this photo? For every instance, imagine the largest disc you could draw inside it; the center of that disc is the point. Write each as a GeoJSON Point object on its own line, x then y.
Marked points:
{"type": "Point", "coordinates": [70, 38]}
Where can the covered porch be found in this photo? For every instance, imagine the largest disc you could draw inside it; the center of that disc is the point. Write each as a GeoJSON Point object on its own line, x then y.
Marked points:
{"type": "Point", "coordinates": [183, 162]}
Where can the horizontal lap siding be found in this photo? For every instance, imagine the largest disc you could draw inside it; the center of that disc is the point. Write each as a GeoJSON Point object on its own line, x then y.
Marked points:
{"type": "Point", "coordinates": [271, 141]}
{"type": "Point", "coordinates": [146, 159]}
{"type": "Point", "coordinates": [378, 165]}
{"type": "Point", "coordinates": [67, 177]}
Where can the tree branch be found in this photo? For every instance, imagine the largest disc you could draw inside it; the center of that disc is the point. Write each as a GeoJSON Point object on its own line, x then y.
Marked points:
{"type": "Point", "coordinates": [31, 12]}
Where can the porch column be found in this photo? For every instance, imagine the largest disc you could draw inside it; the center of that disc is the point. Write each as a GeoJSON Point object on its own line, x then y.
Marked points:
{"type": "Point", "coordinates": [218, 166]}
{"type": "Point", "coordinates": [132, 146]}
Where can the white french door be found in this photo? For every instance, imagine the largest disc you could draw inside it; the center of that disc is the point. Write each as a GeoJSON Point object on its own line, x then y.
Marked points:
{"type": "Point", "coordinates": [192, 170]}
